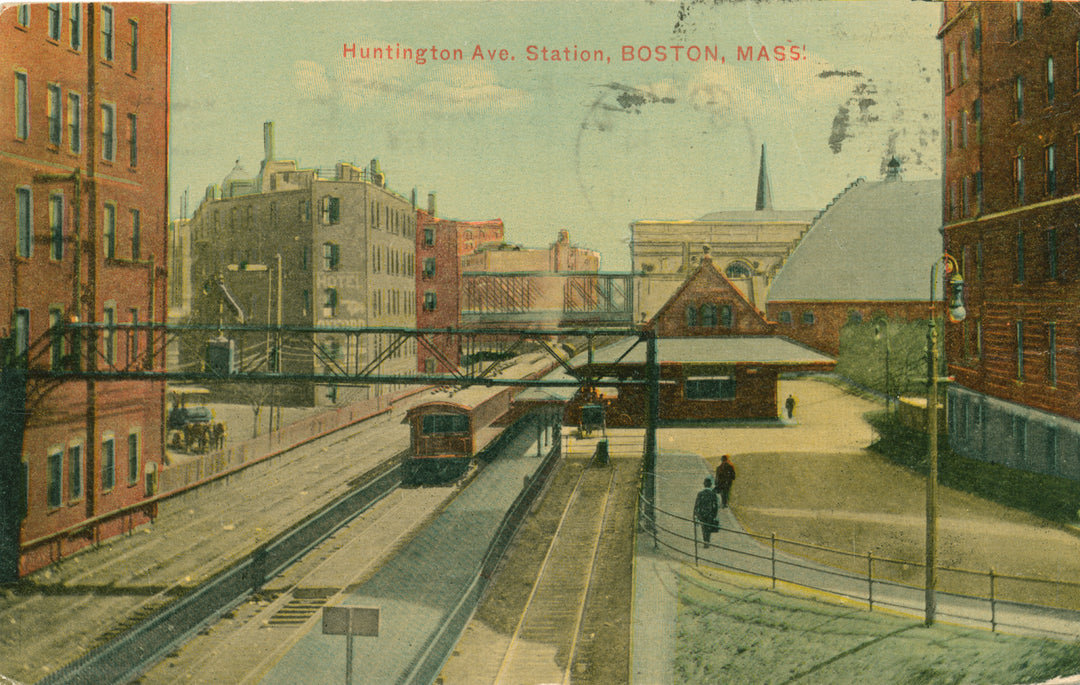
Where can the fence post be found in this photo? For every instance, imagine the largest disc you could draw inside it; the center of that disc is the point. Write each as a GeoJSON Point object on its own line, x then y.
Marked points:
{"type": "Point", "coordinates": [870, 579]}
{"type": "Point", "coordinates": [993, 602]}
{"type": "Point", "coordinates": [773, 547]}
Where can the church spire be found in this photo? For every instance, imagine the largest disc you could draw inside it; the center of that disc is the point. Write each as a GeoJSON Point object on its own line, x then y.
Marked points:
{"type": "Point", "coordinates": [764, 192]}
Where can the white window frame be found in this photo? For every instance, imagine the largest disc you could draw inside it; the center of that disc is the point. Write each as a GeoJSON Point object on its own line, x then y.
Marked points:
{"type": "Point", "coordinates": [108, 131]}
{"type": "Point", "coordinates": [22, 105]}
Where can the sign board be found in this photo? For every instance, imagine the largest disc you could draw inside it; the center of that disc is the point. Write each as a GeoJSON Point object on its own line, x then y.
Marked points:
{"type": "Point", "coordinates": [362, 621]}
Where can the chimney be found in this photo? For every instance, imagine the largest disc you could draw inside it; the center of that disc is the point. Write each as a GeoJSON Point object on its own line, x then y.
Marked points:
{"type": "Point", "coordinates": [377, 176]}
{"type": "Point", "coordinates": [268, 141]}
{"type": "Point", "coordinates": [431, 204]}
{"type": "Point", "coordinates": [414, 198]}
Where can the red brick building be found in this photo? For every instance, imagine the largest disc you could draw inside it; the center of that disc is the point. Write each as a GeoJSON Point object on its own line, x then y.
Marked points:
{"type": "Point", "coordinates": [440, 245]}
{"type": "Point", "coordinates": [1011, 212]}
{"type": "Point", "coordinates": [719, 358]}
{"type": "Point", "coordinates": [83, 177]}
{"type": "Point", "coordinates": [867, 255]}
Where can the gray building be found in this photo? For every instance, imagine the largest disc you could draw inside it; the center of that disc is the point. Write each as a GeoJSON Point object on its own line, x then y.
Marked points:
{"type": "Point", "coordinates": [305, 247]}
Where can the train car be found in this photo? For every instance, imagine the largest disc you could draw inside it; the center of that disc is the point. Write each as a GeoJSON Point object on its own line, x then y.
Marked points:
{"type": "Point", "coordinates": [448, 431]}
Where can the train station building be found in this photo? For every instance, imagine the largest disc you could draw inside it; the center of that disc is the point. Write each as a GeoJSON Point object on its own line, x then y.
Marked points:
{"type": "Point", "coordinates": [719, 358]}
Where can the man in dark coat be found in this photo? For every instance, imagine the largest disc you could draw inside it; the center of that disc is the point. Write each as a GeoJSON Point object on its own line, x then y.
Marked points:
{"type": "Point", "coordinates": [725, 477]}
{"type": "Point", "coordinates": [789, 405]}
{"type": "Point", "coordinates": [705, 511]}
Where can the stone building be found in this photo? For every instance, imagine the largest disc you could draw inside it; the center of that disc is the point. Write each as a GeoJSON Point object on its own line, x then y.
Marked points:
{"type": "Point", "coordinates": [748, 246]}
{"type": "Point", "coordinates": [1011, 213]}
{"type": "Point", "coordinates": [306, 247]}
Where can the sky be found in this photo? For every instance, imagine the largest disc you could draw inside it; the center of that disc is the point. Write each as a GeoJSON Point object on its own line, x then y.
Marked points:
{"type": "Point", "coordinates": [587, 146]}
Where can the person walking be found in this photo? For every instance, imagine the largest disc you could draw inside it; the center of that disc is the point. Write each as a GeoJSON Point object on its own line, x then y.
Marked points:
{"type": "Point", "coordinates": [789, 405]}
{"type": "Point", "coordinates": [725, 478]}
{"type": "Point", "coordinates": [705, 512]}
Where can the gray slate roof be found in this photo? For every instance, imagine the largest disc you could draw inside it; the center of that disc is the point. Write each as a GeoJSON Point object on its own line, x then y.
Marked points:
{"type": "Point", "coordinates": [721, 349]}
{"type": "Point", "coordinates": [877, 241]}
{"type": "Point", "coordinates": [761, 215]}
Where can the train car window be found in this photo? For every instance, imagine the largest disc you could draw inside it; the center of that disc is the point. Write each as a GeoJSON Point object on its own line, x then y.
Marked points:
{"type": "Point", "coordinates": [445, 423]}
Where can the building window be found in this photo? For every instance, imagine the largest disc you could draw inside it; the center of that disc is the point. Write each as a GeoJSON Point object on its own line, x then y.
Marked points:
{"type": "Point", "coordinates": [785, 317]}
{"type": "Point", "coordinates": [1018, 99]}
{"type": "Point", "coordinates": [979, 192]}
{"type": "Point", "coordinates": [75, 9]}
{"type": "Point", "coordinates": [133, 140]}
{"type": "Point", "coordinates": [330, 210]}
{"type": "Point", "coordinates": [1050, 168]}
{"type": "Point", "coordinates": [954, 206]}
{"type": "Point", "coordinates": [56, 128]}
{"type": "Point", "coordinates": [106, 33]}
{"type": "Point", "coordinates": [108, 228]}
{"type": "Point", "coordinates": [108, 132]}
{"type": "Point", "coordinates": [21, 334]}
{"type": "Point", "coordinates": [1052, 254]}
{"type": "Point", "coordinates": [22, 15]}
{"type": "Point", "coordinates": [305, 210]}
{"type": "Point", "coordinates": [950, 75]}
{"type": "Point", "coordinates": [710, 388]}
{"type": "Point", "coordinates": [429, 237]}
{"type": "Point", "coordinates": [56, 339]}
{"type": "Point", "coordinates": [954, 138]}
{"type": "Point", "coordinates": [725, 315]}
{"type": "Point", "coordinates": [979, 260]}
{"type": "Point", "coordinates": [56, 226]}
{"type": "Point", "coordinates": [737, 270]}
{"type": "Point", "coordinates": [1019, 350]}
{"type": "Point", "coordinates": [305, 258]}
{"type": "Point", "coordinates": [331, 256]}
{"type": "Point", "coordinates": [430, 301]}
{"type": "Point", "coordinates": [74, 122]}
{"type": "Point", "coordinates": [1051, 353]}
{"type": "Point", "coordinates": [1018, 22]}
{"type": "Point", "coordinates": [429, 267]}
{"type": "Point", "coordinates": [133, 458]}
{"type": "Point", "coordinates": [330, 302]}
{"type": "Point", "coordinates": [965, 197]}
{"type": "Point", "coordinates": [808, 317]}
{"type": "Point", "coordinates": [708, 315]}
{"type": "Point", "coordinates": [1020, 257]}
{"type": "Point", "coordinates": [964, 128]}
{"type": "Point", "coordinates": [109, 335]}
{"type": "Point", "coordinates": [54, 20]}
{"type": "Point", "coordinates": [978, 338]}
{"type": "Point", "coordinates": [963, 61]}
{"type": "Point", "coordinates": [136, 234]}
{"type": "Point", "coordinates": [75, 471]}
{"type": "Point", "coordinates": [691, 316]}
{"type": "Point", "coordinates": [24, 220]}
{"type": "Point", "coordinates": [108, 463]}
{"type": "Point", "coordinates": [1018, 177]}
{"type": "Point", "coordinates": [55, 482]}
{"type": "Point", "coordinates": [134, 45]}
{"type": "Point", "coordinates": [22, 106]}
{"type": "Point", "coordinates": [1049, 80]}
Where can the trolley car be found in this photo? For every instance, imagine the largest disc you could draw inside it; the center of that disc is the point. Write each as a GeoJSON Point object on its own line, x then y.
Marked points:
{"type": "Point", "coordinates": [447, 432]}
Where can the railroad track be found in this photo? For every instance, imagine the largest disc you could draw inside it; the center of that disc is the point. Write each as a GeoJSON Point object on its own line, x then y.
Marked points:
{"type": "Point", "coordinates": [548, 635]}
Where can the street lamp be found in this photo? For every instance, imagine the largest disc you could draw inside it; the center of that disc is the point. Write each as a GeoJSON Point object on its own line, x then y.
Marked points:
{"type": "Point", "coordinates": [882, 324]}
{"type": "Point", "coordinates": [956, 314]}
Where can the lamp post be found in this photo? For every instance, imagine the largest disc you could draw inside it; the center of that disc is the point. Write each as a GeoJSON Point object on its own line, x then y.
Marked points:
{"type": "Point", "coordinates": [882, 323]}
{"type": "Point", "coordinates": [956, 313]}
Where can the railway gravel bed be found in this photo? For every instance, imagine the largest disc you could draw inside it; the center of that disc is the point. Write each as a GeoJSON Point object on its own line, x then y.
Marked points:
{"type": "Point", "coordinates": [53, 616]}
{"type": "Point", "coordinates": [602, 654]}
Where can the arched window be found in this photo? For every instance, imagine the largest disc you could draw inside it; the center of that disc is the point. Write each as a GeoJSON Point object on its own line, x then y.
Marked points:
{"type": "Point", "coordinates": [691, 316]}
{"type": "Point", "coordinates": [708, 315]}
{"type": "Point", "coordinates": [737, 270]}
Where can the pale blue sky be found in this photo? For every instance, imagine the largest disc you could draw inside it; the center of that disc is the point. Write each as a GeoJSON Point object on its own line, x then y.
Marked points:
{"type": "Point", "coordinates": [546, 145]}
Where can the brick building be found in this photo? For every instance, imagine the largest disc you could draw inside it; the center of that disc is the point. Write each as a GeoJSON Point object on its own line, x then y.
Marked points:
{"type": "Point", "coordinates": [1011, 213]}
{"type": "Point", "coordinates": [719, 358]}
{"type": "Point", "coordinates": [441, 244]}
{"type": "Point", "coordinates": [305, 247]}
{"type": "Point", "coordinates": [850, 266]}
{"type": "Point", "coordinates": [83, 165]}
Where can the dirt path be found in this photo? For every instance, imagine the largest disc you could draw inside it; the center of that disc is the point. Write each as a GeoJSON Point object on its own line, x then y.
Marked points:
{"type": "Point", "coordinates": [816, 483]}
